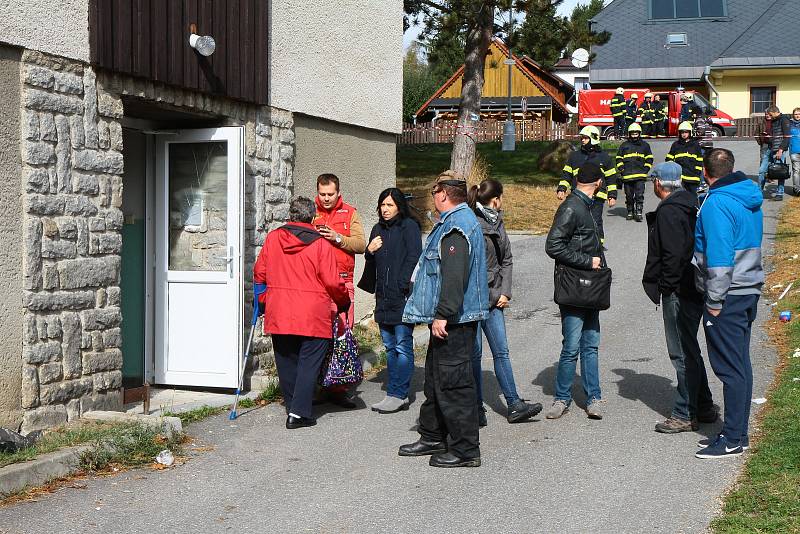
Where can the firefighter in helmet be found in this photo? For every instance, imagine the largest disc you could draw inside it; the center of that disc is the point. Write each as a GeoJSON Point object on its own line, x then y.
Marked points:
{"type": "Point", "coordinates": [647, 111]}
{"type": "Point", "coordinates": [591, 152]}
{"type": "Point", "coordinates": [631, 110]}
{"type": "Point", "coordinates": [617, 106]}
{"type": "Point", "coordinates": [662, 113]}
{"type": "Point", "coordinates": [634, 161]}
{"type": "Point", "coordinates": [687, 152]}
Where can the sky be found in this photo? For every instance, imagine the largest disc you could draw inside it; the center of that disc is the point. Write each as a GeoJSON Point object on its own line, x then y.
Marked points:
{"type": "Point", "coordinates": [564, 9]}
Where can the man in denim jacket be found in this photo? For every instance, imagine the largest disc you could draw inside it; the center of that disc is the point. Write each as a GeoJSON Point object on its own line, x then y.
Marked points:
{"type": "Point", "coordinates": [451, 294]}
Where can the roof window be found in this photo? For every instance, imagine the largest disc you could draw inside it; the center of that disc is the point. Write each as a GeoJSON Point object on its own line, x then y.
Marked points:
{"type": "Point", "coordinates": [687, 9]}
{"type": "Point", "coordinates": [677, 39]}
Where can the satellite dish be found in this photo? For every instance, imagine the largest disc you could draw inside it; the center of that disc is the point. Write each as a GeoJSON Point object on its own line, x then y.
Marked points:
{"type": "Point", "coordinates": [580, 58]}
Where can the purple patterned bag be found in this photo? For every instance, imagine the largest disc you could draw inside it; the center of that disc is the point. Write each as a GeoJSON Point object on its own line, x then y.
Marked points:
{"type": "Point", "coordinates": [343, 364]}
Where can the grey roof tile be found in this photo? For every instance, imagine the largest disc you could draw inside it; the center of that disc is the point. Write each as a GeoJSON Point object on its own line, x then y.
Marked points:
{"type": "Point", "coordinates": [637, 44]}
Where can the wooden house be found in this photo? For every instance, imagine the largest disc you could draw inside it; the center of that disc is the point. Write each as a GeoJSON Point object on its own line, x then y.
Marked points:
{"type": "Point", "coordinates": [536, 94]}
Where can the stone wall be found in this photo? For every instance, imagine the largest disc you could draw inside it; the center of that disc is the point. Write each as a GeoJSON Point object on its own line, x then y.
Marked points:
{"type": "Point", "coordinates": [72, 156]}
{"type": "Point", "coordinates": [72, 177]}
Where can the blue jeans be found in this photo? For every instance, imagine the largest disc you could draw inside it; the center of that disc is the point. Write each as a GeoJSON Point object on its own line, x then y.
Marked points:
{"type": "Point", "coordinates": [581, 331]}
{"type": "Point", "coordinates": [767, 157]}
{"type": "Point", "coordinates": [494, 327]}
{"type": "Point", "coordinates": [682, 319]}
{"type": "Point", "coordinates": [399, 342]}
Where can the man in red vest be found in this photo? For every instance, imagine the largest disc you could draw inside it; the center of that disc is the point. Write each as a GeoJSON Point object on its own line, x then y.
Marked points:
{"type": "Point", "coordinates": [340, 224]}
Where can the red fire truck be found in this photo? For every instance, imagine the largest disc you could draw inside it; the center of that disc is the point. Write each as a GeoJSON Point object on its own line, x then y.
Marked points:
{"type": "Point", "coordinates": [593, 110]}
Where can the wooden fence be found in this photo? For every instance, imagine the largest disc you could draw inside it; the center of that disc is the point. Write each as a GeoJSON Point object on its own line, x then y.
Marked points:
{"type": "Point", "coordinates": [484, 132]}
{"type": "Point", "coordinates": [492, 131]}
{"type": "Point", "coordinates": [748, 127]}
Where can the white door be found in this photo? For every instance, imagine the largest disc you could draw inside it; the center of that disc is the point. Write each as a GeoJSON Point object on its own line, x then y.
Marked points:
{"type": "Point", "coordinates": [199, 179]}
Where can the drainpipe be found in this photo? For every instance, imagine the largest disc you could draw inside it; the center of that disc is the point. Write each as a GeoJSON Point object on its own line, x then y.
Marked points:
{"type": "Point", "coordinates": [707, 77]}
{"type": "Point", "coordinates": [433, 124]}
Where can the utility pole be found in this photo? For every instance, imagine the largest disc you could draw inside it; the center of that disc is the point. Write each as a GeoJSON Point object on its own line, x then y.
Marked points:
{"type": "Point", "coordinates": [509, 130]}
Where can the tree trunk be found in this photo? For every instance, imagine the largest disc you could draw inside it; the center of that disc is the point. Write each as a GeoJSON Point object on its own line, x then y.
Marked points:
{"type": "Point", "coordinates": [477, 45]}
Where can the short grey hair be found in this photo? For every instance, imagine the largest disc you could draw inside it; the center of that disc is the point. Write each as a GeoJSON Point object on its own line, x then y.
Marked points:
{"type": "Point", "coordinates": [670, 185]}
{"type": "Point", "coordinates": [302, 209]}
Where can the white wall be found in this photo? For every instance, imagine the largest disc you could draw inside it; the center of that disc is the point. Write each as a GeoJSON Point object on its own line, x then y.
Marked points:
{"type": "Point", "coordinates": [57, 27]}
{"type": "Point", "coordinates": [338, 59]}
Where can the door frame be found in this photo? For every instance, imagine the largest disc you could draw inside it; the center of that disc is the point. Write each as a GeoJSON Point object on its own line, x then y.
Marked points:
{"type": "Point", "coordinates": [158, 245]}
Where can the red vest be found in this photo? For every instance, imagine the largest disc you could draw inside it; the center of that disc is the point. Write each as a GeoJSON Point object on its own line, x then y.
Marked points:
{"type": "Point", "coordinates": [338, 219]}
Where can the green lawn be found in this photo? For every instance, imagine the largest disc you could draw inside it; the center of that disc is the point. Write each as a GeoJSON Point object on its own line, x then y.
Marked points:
{"type": "Point", "coordinates": [767, 495]}
{"type": "Point", "coordinates": [520, 166]}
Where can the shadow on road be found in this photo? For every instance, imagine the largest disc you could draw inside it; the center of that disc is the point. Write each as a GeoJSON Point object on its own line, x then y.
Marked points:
{"type": "Point", "coordinates": [656, 392]}
{"type": "Point", "coordinates": [546, 379]}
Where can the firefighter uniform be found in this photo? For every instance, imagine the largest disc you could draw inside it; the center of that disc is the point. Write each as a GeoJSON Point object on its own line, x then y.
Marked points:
{"type": "Point", "coordinates": [591, 153]}
{"type": "Point", "coordinates": [689, 155]}
{"type": "Point", "coordinates": [631, 110]}
{"type": "Point", "coordinates": [634, 161]}
{"type": "Point", "coordinates": [647, 112]}
{"type": "Point", "coordinates": [660, 123]}
{"type": "Point", "coordinates": [617, 106]}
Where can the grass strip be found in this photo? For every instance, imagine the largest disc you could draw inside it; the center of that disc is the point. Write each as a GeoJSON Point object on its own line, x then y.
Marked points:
{"type": "Point", "coordinates": [766, 497]}
{"type": "Point", "coordinates": [129, 445]}
{"type": "Point", "coordinates": [67, 436]}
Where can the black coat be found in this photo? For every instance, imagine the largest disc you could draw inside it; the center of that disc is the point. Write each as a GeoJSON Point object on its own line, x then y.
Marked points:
{"type": "Point", "coordinates": [393, 265]}
{"type": "Point", "coordinates": [670, 247]}
{"type": "Point", "coordinates": [573, 238]}
{"type": "Point", "coordinates": [499, 264]}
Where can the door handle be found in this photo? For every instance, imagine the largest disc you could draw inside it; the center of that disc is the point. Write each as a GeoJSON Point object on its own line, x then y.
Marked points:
{"type": "Point", "coordinates": [229, 260]}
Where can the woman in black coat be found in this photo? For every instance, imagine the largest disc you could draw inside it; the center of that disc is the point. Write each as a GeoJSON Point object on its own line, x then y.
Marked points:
{"type": "Point", "coordinates": [395, 245]}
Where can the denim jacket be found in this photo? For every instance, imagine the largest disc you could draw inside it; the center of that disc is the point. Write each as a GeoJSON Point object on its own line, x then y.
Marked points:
{"type": "Point", "coordinates": [421, 305]}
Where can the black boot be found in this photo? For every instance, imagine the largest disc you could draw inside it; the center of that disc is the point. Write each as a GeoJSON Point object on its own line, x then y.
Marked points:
{"type": "Point", "coordinates": [629, 216]}
{"type": "Point", "coordinates": [422, 448]}
{"type": "Point", "coordinates": [448, 459]}
{"type": "Point", "coordinates": [638, 212]}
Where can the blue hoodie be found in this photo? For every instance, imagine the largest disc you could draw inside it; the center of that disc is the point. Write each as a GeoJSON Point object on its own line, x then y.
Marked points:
{"type": "Point", "coordinates": [794, 141]}
{"type": "Point", "coordinates": [727, 247]}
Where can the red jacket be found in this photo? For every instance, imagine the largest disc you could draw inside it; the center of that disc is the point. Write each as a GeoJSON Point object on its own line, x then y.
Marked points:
{"type": "Point", "coordinates": [344, 220]}
{"type": "Point", "coordinates": [299, 269]}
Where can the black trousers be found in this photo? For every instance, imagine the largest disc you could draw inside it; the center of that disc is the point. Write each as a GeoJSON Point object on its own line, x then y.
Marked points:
{"type": "Point", "coordinates": [597, 215]}
{"type": "Point", "coordinates": [659, 127]}
{"type": "Point", "coordinates": [620, 124]}
{"type": "Point", "coordinates": [450, 408]}
{"type": "Point", "coordinates": [634, 193]}
{"type": "Point", "coordinates": [298, 359]}
{"type": "Point", "coordinates": [648, 129]}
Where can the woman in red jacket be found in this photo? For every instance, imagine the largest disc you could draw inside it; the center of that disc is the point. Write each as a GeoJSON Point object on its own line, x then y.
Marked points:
{"type": "Point", "coordinates": [299, 270]}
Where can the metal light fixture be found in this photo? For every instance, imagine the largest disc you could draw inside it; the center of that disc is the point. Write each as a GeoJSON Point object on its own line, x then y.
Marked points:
{"type": "Point", "coordinates": [204, 44]}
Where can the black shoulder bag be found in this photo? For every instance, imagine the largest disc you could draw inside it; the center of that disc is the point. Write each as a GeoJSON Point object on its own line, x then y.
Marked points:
{"type": "Point", "coordinates": [583, 288]}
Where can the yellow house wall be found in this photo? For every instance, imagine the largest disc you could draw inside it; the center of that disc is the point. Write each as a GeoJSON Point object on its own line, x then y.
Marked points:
{"type": "Point", "coordinates": [734, 89]}
{"type": "Point", "coordinates": [496, 79]}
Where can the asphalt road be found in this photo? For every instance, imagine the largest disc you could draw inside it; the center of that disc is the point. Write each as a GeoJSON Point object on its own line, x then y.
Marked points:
{"type": "Point", "coordinates": [569, 475]}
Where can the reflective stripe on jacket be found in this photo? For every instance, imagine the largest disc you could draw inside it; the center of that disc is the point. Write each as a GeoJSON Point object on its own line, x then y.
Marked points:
{"type": "Point", "coordinates": [634, 160]}
{"type": "Point", "coordinates": [689, 156]}
{"type": "Point", "coordinates": [617, 106]}
{"type": "Point", "coordinates": [596, 155]}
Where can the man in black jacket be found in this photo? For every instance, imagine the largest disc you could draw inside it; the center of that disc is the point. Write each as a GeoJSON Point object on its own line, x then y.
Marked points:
{"type": "Point", "coordinates": [774, 143]}
{"type": "Point", "coordinates": [669, 279]}
{"type": "Point", "coordinates": [573, 241]}
{"type": "Point", "coordinates": [634, 161]}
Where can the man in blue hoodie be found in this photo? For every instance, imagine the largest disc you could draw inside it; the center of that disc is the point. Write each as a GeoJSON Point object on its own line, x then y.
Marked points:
{"type": "Point", "coordinates": [794, 146]}
{"type": "Point", "coordinates": [727, 253]}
